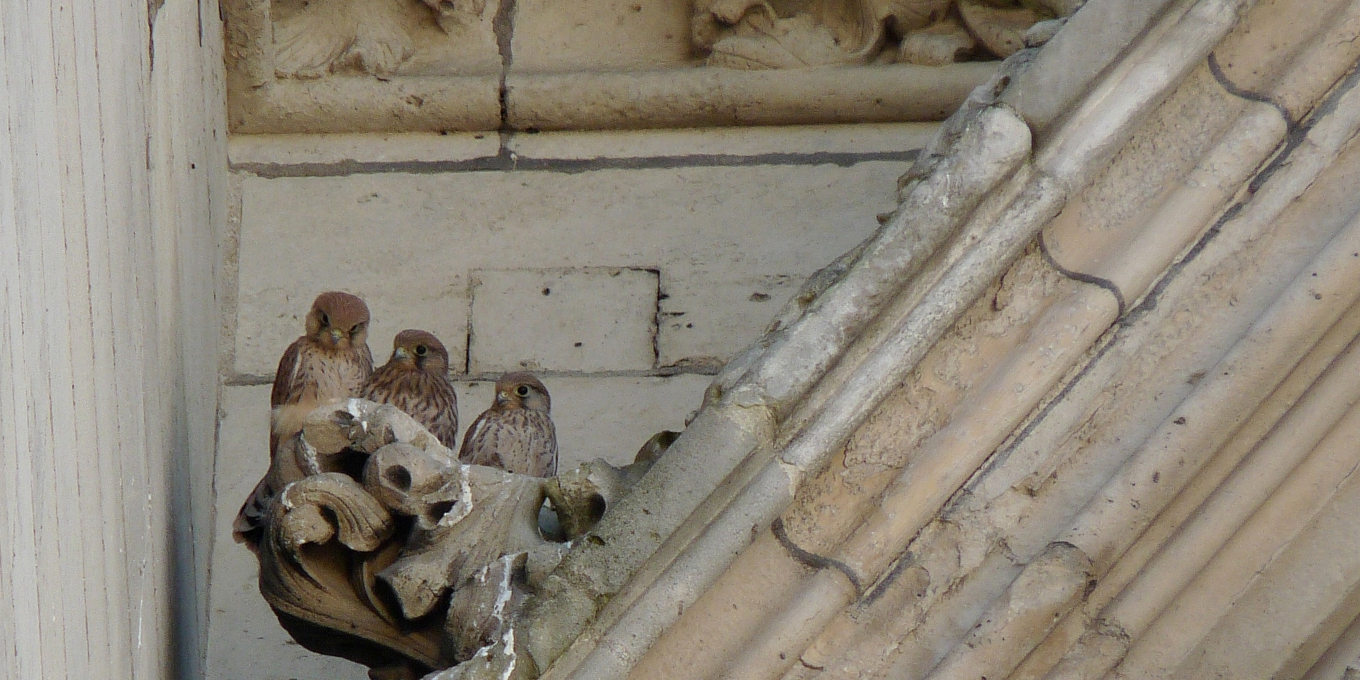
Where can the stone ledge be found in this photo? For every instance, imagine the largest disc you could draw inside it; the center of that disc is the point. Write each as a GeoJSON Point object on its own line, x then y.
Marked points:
{"type": "Point", "coordinates": [678, 97]}
{"type": "Point", "coordinates": [361, 104]}
{"type": "Point", "coordinates": [309, 155]}
{"type": "Point", "coordinates": [786, 141]}
{"type": "Point", "coordinates": [702, 97]}
{"type": "Point", "coordinates": [366, 148]}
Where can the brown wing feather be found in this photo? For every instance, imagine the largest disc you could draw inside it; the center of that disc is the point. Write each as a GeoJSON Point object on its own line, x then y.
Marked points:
{"type": "Point", "coordinates": [286, 389]}
{"type": "Point", "coordinates": [516, 440]}
{"type": "Point", "coordinates": [478, 443]}
{"type": "Point", "coordinates": [429, 399]}
{"type": "Point", "coordinates": [442, 404]}
{"type": "Point", "coordinates": [365, 357]}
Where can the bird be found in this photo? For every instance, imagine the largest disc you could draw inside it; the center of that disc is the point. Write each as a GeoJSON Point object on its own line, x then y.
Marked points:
{"type": "Point", "coordinates": [416, 381]}
{"type": "Point", "coordinates": [329, 363]}
{"type": "Point", "coordinates": [516, 434]}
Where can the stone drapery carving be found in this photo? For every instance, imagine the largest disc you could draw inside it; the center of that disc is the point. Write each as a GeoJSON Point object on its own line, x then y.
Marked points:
{"type": "Point", "coordinates": [762, 34]}
{"type": "Point", "coordinates": [393, 554]}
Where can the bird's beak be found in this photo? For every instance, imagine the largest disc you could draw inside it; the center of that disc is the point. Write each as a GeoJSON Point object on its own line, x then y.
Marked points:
{"type": "Point", "coordinates": [501, 398]}
{"type": "Point", "coordinates": [337, 335]}
{"type": "Point", "coordinates": [400, 354]}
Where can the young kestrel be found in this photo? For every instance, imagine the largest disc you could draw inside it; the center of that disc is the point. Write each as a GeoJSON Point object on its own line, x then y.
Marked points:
{"type": "Point", "coordinates": [329, 363]}
{"type": "Point", "coordinates": [416, 381]}
{"type": "Point", "coordinates": [516, 434]}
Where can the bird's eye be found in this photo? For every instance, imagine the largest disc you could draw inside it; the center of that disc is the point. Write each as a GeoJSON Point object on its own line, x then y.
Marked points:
{"type": "Point", "coordinates": [357, 327]}
{"type": "Point", "coordinates": [421, 350]}
{"type": "Point", "coordinates": [522, 390]}
{"type": "Point", "coordinates": [325, 320]}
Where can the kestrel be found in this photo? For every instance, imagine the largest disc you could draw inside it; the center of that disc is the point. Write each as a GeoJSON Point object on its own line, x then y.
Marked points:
{"type": "Point", "coordinates": [516, 434]}
{"type": "Point", "coordinates": [416, 381]}
{"type": "Point", "coordinates": [329, 363]}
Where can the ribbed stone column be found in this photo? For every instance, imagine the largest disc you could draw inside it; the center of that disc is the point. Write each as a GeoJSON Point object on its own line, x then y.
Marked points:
{"type": "Point", "coordinates": [107, 332]}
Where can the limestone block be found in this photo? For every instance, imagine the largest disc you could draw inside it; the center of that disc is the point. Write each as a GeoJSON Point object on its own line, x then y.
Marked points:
{"type": "Point", "coordinates": [244, 638]}
{"type": "Point", "coordinates": [705, 322]}
{"type": "Point", "coordinates": [569, 35]}
{"type": "Point", "coordinates": [407, 243]}
{"type": "Point", "coordinates": [594, 319]}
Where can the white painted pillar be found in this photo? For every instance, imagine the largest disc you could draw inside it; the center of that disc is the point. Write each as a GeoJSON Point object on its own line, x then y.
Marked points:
{"type": "Point", "coordinates": [107, 333]}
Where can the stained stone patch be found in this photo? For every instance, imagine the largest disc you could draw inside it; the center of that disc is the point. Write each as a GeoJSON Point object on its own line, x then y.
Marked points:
{"type": "Point", "coordinates": [596, 319]}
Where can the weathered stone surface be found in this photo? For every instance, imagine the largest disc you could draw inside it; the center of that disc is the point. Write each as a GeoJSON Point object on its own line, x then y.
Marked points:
{"type": "Point", "coordinates": [702, 97]}
{"type": "Point", "coordinates": [556, 36]}
{"type": "Point", "coordinates": [436, 65]}
{"type": "Point", "coordinates": [775, 143]}
{"type": "Point", "coordinates": [703, 322]}
{"type": "Point", "coordinates": [610, 418]}
{"type": "Point", "coordinates": [348, 576]}
{"type": "Point", "coordinates": [596, 418]}
{"type": "Point", "coordinates": [1069, 62]}
{"type": "Point", "coordinates": [597, 319]}
{"type": "Point", "coordinates": [466, 103]}
{"type": "Point", "coordinates": [266, 153]}
{"type": "Point", "coordinates": [373, 37]}
{"type": "Point", "coordinates": [407, 243]}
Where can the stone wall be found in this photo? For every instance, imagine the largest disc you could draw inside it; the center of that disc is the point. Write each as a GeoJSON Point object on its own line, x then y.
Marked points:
{"type": "Point", "coordinates": [622, 267]}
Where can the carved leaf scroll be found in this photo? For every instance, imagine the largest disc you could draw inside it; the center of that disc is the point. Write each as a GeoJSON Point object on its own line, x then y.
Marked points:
{"type": "Point", "coordinates": [321, 530]}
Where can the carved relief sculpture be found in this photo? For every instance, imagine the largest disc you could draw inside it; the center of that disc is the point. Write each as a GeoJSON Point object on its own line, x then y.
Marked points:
{"type": "Point", "coordinates": [760, 34]}
{"type": "Point", "coordinates": [313, 38]}
{"type": "Point", "coordinates": [479, 65]}
{"type": "Point", "coordinates": [393, 554]}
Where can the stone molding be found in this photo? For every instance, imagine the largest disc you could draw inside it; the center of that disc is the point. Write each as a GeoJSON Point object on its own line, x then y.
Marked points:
{"type": "Point", "coordinates": [473, 65]}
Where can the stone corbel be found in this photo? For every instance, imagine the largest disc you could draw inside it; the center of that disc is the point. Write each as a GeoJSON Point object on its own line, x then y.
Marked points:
{"type": "Point", "coordinates": [392, 554]}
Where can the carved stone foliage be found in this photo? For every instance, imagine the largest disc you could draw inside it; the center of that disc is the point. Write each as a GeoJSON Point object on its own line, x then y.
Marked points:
{"type": "Point", "coordinates": [761, 34]}
{"type": "Point", "coordinates": [393, 554]}
{"type": "Point", "coordinates": [478, 65]}
{"type": "Point", "coordinates": [313, 38]}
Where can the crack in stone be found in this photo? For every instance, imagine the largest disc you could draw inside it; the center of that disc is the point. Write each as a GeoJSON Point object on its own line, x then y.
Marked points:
{"type": "Point", "coordinates": [1084, 278]}
{"type": "Point", "coordinates": [503, 25]}
{"type": "Point", "coordinates": [814, 560]}
{"type": "Point", "coordinates": [505, 160]}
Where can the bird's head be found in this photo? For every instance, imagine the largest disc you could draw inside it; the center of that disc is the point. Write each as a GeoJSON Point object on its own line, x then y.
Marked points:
{"type": "Point", "coordinates": [338, 321]}
{"type": "Point", "coordinates": [420, 350]}
{"type": "Point", "coordinates": [522, 390]}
